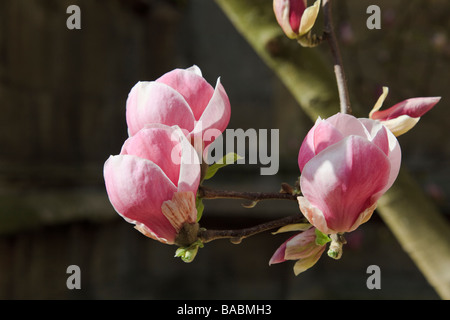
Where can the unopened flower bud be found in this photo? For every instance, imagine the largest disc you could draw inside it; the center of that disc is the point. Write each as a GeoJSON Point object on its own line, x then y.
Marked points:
{"type": "Point", "coordinates": [294, 17]}
{"type": "Point", "coordinates": [346, 165]}
{"type": "Point", "coordinates": [148, 189]}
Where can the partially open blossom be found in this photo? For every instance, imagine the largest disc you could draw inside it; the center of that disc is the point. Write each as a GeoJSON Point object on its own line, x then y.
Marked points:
{"type": "Point", "coordinates": [346, 165]}
{"type": "Point", "coordinates": [294, 17]}
{"type": "Point", "coordinates": [403, 116]}
{"type": "Point", "coordinates": [153, 182]}
{"type": "Point", "coordinates": [180, 97]}
{"type": "Point", "coordinates": [302, 247]}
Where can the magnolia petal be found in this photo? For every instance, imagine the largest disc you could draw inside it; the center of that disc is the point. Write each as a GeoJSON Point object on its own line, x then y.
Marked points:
{"type": "Point", "coordinates": [325, 135]}
{"type": "Point", "coordinates": [395, 159]}
{"type": "Point", "coordinates": [130, 184]}
{"type": "Point", "coordinates": [282, 12]}
{"type": "Point", "coordinates": [147, 232]}
{"type": "Point", "coordinates": [190, 169]}
{"type": "Point", "coordinates": [314, 215]}
{"type": "Point", "coordinates": [192, 86]}
{"type": "Point", "coordinates": [293, 227]}
{"type": "Point", "coordinates": [401, 124]}
{"type": "Point", "coordinates": [296, 10]}
{"type": "Point", "coordinates": [363, 217]}
{"type": "Point", "coordinates": [322, 135]}
{"type": "Point", "coordinates": [383, 138]}
{"type": "Point", "coordinates": [195, 69]}
{"type": "Point", "coordinates": [414, 107]}
{"type": "Point", "coordinates": [158, 144]}
{"type": "Point", "coordinates": [307, 149]}
{"type": "Point", "coordinates": [347, 125]}
{"type": "Point", "coordinates": [343, 180]}
{"type": "Point", "coordinates": [152, 102]}
{"type": "Point", "coordinates": [309, 18]}
{"type": "Point", "coordinates": [377, 134]}
{"type": "Point", "coordinates": [403, 116]}
{"type": "Point", "coordinates": [278, 256]}
{"type": "Point", "coordinates": [379, 102]}
{"type": "Point", "coordinates": [216, 115]}
{"type": "Point", "coordinates": [304, 264]}
{"type": "Point", "coordinates": [301, 246]}
{"type": "Point", "coordinates": [180, 209]}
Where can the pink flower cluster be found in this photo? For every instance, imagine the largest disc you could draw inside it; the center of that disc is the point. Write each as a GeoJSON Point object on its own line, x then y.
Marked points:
{"type": "Point", "coordinates": [346, 165]}
{"type": "Point", "coordinates": [153, 182]}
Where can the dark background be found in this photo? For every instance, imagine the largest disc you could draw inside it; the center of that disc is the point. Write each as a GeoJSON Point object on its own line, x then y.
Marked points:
{"type": "Point", "coordinates": [62, 113]}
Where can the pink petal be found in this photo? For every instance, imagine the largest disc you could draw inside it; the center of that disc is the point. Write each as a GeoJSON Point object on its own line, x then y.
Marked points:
{"type": "Point", "coordinates": [327, 132]}
{"type": "Point", "coordinates": [192, 86]}
{"type": "Point", "coordinates": [314, 215]}
{"type": "Point", "coordinates": [325, 135]}
{"type": "Point", "coordinates": [304, 264]}
{"type": "Point", "coordinates": [190, 170]}
{"type": "Point", "coordinates": [137, 188]}
{"type": "Point", "coordinates": [414, 108]}
{"type": "Point", "coordinates": [282, 12]}
{"type": "Point", "coordinates": [180, 210]}
{"type": "Point", "coordinates": [395, 159]}
{"type": "Point", "coordinates": [296, 9]}
{"type": "Point", "coordinates": [158, 144]}
{"type": "Point", "coordinates": [344, 180]}
{"type": "Point", "coordinates": [217, 113]}
{"type": "Point", "coordinates": [386, 141]}
{"type": "Point", "coordinates": [302, 245]}
{"type": "Point", "coordinates": [347, 124]}
{"type": "Point", "coordinates": [307, 149]}
{"type": "Point", "coordinates": [153, 102]}
{"type": "Point", "coordinates": [279, 255]}
{"type": "Point", "coordinates": [377, 133]}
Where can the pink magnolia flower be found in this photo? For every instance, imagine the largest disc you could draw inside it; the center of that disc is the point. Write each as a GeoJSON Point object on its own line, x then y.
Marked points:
{"type": "Point", "coordinates": [183, 98]}
{"type": "Point", "coordinates": [346, 165]}
{"type": "Point", "coordinates": [302, 247]}
{"type": "Point", "coordinates": [403, 116]}
{"type": "Point", "coordinates": [152, 183]}
{"type": "Point", "coordinates": [294, 17]}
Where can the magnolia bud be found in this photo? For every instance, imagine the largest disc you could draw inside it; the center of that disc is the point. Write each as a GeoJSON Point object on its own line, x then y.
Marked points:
{"type": "Point", "coordinates": [294, 17]}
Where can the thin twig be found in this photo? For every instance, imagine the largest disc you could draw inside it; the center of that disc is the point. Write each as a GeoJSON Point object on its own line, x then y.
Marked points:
{"type": "Point", "coordinates": [236, 236]}
{"type": "Point", "coordinates": [337, 59]}
{"type": "Point", "coordinates": [207, 193]}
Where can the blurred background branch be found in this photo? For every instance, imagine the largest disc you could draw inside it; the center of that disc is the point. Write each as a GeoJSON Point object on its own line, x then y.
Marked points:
{"type": "Point", "coordinates": [416, 222]}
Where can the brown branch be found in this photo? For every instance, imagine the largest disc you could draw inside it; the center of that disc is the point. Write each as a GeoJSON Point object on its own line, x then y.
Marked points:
{"type": "Point", "coordinates": [330, 36]}
{"type": "Point", "coordinates": [236, 236]}
{"type": "Point", "coordinates": [207, 193]}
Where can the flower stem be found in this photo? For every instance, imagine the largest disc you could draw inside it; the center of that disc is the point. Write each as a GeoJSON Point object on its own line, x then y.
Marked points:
{"type": "Point", "coordinates": [207, 193]}
{"type": "Point", "coordinates": [337, 242]}
{"type": "Point", "coordinates": [330, 36]}
{"type": "Point", "coordinates": [236, 236]}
